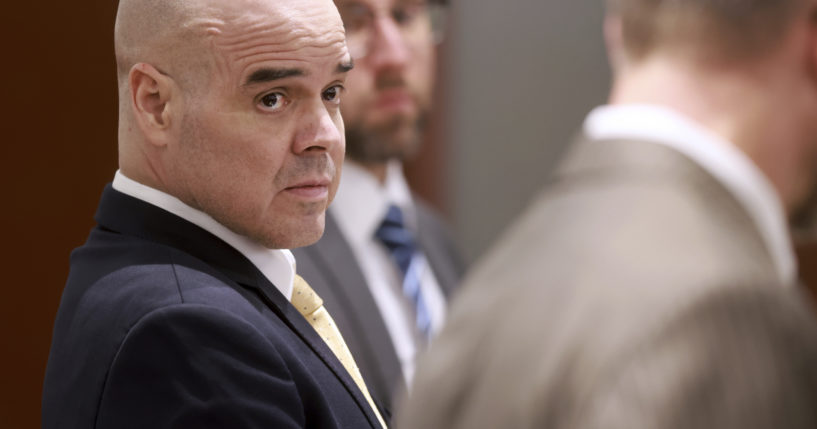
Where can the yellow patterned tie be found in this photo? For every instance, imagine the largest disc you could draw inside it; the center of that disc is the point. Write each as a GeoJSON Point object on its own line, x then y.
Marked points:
{"type": "Point", "coordinates": [311, 306]}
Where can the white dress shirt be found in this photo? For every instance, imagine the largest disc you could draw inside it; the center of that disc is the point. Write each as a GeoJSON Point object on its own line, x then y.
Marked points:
{"type": "Point", "coordinates": [359, 207]}
{"type": "Point", "coordinates": [277, 265]}
{"type": "Point", "coordinates": [722, 159]}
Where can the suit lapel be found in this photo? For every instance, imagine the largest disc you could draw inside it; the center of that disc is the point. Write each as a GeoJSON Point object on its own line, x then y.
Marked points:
{"type": "Point", "coordinates": [298, 324]}
{"type": "Point", "coordinates": [335, 259]}
{"type": "Point", "coordinates": [433, 240]}
{"type": "Point", "coordinates": [125, 214]}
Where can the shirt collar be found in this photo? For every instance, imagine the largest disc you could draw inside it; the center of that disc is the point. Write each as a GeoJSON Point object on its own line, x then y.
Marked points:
{"type": "Point", "coordinates": [361, 201]}
{"type": "Point", "coordinates": [719, 157]}
{"type": "Point", "coordinates": [277, 265]}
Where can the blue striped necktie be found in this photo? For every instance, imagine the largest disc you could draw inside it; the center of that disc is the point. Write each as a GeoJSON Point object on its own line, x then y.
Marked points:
{"type": "Point", "coordinates": [402, 248]}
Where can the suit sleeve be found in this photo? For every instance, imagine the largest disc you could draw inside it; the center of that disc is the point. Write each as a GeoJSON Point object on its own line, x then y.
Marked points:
{"type": "Point", "coordinates": [743, 359]}
{"type": "Point", "coordinates": [192, 366]}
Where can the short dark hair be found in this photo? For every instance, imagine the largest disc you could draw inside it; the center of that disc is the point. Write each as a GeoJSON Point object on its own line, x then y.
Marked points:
{"type": "Point", "coordinates": [730, 29]}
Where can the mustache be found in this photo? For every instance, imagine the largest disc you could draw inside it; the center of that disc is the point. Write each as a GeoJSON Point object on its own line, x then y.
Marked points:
{"type": "Point", "coordinates": [306, 167]}
{"type": "Point", "coordinates": [389, 80]}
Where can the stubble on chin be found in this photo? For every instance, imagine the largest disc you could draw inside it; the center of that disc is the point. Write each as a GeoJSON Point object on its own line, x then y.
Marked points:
{"type": "Point", "coordinates": [398, 137]}
{"type": "Point", "coordinates": [286, 232]}
{"type": "Point", "coordinates": [277, 226]}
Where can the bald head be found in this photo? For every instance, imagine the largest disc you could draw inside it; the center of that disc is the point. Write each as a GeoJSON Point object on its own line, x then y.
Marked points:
{"type": "Point", "coordinates": [230, 105]}
{"type": "Point", "coordinates": [175, 35]}
{"type": "Point", "coordinates": [159, 35]}
{"type": "Point", "coordinates": [164, 33]}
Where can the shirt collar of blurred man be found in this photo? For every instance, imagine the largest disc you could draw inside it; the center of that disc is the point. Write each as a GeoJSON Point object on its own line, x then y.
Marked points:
{"type": "Point", "coordinates": [359, 189]}
{"type": "Point", "coordinates": [720, 158]}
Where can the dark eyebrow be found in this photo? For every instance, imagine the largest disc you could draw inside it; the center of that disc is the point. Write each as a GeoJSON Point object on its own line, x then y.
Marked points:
{"type": "Point", "coordinates": [268, 75]}
{"type": "Point", "coordinates": [345, 67]}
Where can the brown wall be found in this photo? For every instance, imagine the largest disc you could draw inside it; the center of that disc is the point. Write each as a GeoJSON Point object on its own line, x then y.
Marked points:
{"type": "Point", "coordinates": [59, 149]}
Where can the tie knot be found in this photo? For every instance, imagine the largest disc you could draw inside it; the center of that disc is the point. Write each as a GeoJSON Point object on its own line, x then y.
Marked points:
{"type": "Point", "coordinates": [304, 298]}
{"type": "Point", "coordinates": [394, 217]}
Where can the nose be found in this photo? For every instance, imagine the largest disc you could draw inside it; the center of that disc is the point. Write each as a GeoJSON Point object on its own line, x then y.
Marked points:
{"type": "Point", "coordinates": [388, 47]}
{"type": "Point", "coordinates": [318, 131]}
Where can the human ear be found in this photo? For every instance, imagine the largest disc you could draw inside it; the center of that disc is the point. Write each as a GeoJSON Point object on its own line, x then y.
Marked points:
{"type": "Point", "coordinates": [151, 92]}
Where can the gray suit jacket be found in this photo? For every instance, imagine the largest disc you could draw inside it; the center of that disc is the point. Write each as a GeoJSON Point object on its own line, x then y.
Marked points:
{"type": "Point", "coordinates": [634, 293]}
{"type": "Point", "coordinates": [330, 267]}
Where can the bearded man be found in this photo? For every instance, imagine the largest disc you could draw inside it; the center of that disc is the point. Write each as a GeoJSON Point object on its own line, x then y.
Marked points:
{"type": "Point", "coordinates": [385, 265]}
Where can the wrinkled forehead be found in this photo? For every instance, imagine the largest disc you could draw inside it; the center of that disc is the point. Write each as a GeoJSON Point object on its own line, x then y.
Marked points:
{"type": "Point", "coordinates": [313, 16]}
{"type": "Point", "coordinates": [239, 33]}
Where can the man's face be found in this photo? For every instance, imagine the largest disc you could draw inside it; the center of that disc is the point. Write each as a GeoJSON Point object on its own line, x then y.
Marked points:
{"type": "Point", "coordinates": [261, 142]}
{"type": "Point", "coordinates": [390, 89]}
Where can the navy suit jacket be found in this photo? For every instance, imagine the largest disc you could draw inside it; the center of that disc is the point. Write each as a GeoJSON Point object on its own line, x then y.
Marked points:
{"type": "Point", "coordinates": [164, 325]}
{"type": "Point", "coordinates": [331, 269]}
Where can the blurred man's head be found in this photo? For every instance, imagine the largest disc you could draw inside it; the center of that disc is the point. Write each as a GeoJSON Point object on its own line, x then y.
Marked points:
{"type": "Point", "coordinates": [233, 107]}
{"type": "Point", "coordinates": [733, 29]}
{"type": "Point", "coordinates": [746, 69]}
{"type": "Point", "coordinates": [390, 90]}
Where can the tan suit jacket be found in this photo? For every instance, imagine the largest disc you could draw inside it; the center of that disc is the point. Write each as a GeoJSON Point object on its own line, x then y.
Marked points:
{"type": "Point", "coordinates": [634, 293]}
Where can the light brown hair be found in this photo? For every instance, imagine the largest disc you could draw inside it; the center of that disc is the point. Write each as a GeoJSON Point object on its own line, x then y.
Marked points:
{"type": "Point", "coordinates": [726, 29]}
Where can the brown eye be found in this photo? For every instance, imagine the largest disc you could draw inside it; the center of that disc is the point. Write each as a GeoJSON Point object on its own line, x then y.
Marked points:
{"type": "Point", "coordinates": [401, 16]}
{"type": "Point", "coordinates": [332, 94]}
{"type": "Point", "coordinates": [406, 14]}
{"type": "Point", "coordinates": [273, 101]}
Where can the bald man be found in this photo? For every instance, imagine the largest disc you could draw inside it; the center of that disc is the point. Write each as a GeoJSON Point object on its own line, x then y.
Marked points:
{"type": "Point", "coordinates": [177, 311]}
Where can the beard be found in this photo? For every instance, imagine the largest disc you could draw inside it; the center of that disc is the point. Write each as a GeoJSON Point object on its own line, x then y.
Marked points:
{"type": "Point", "coordinates": [375, 139]}
{"type": "Point", "coordinates": [398, 138]}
